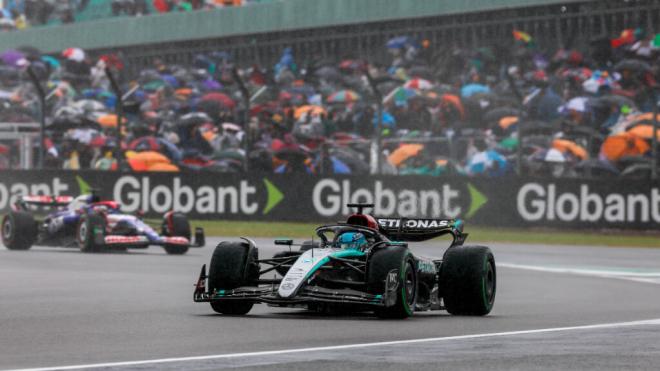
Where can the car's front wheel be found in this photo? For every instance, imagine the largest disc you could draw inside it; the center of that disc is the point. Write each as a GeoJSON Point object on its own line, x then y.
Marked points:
{"type": "Point", "coordinates": [234, 264]}
{"type": "Point", "coordinates": [176, 225]}
{"type": "Point", "coordinates": [90, 233]}
{"type": "Point", "coordinates": [397, 265]}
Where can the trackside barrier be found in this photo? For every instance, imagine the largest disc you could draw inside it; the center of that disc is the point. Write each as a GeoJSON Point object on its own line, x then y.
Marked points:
{"type": "Point", "coordinates": [500, 202]}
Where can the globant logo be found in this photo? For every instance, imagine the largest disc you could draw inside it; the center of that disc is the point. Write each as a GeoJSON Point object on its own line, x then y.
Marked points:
{"type": "Point", "coordinates": [9, 194]}
{"type": "Point", "coordinates": [139, 194]}
{"type": "Point", "coordinates": [331, 196]}
{"type": "Point", "coordinates": [536, 202]}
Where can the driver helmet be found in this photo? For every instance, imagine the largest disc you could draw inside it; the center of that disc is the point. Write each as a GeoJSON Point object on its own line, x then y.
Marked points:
{"type": "Point", "coordinates": [352, 241]}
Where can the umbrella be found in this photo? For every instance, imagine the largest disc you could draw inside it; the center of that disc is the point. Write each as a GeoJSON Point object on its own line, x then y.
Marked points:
{"type": "Point", "coordinates": [622, 145]}
{"type": "Point", "coordinates": [194, 118]}
{"type": "Point", "coordinates": [490, 162]}
{"type": "Point", "coordinates": [578, 104]}
{"type": "Point", "coordinates": [401, 42]}
{"type": "Point", "coordinates": [472, 89]}
{"type": "Point", "coordinates": [400, 95]}
{"type": "Point", "coordinates": [328, 73]}
{"type": "Point", "coordinates": [220, 98]}
{"type": "Point", "coordinates": [12, 57]}
{"type": "Point", "coordinates": [419, 84]}
{"type": "Point", "coordinates": [597, 81]}
{"type": "Point", "coordinates": [309, 109]}
{"type": "Point", "coordinates": [633, 65]}
{"type": "Point", "coordinates": [89, 105]}
{"type": "Point", "coordinates": [164, 167]}
{"type": "Point", "coordinates": [344, 96]}
{"type": "Point", "coordinates": [404, 152]}
{"type": "Point", "coordinates": [644, 131]}
{"type": "Point", "coordinates": [388, 119]}
{"type": "Point", "coordinates": [148, 143]}
{"type": "Point", "coordinates": [154, 85]}
{"type": "Point", "coordinates": [551, 155]}
{"type": "Point", "coordinates": [570, 147]}
{"type": "Point", "coordinates": [595, 168]}
{"type": "Point", "coordinates": [74, 54]}
{"type": "Point", "coordinates": [352, 65]}
{"type": "Point", "coordinates": [149, 158]}
{"type": "Point", "coordinates": [110, 121]}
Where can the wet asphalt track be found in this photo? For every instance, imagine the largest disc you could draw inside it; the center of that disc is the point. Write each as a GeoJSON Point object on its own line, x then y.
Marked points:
{"type": "Point", "coordinates": [59, 307]}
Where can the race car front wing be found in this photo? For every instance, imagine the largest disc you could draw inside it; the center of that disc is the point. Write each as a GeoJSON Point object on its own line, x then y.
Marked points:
{"type": "Point", "coordinates": [307, 295]}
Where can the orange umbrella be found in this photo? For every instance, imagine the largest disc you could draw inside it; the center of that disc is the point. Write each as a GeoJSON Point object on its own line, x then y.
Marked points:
{"type": "Point", "coordinates": [642, 117]}
{"type": "Point", "coordinates": [109, 121]}
{"type": "Point", "coordinates": [404, 152]}
{"type": "Point", "coordinates": [137, 165]}
{"type": "Point", "coordinates": [567, 146]}
{"type": "Point", "coordinates": [507, 121]}
{"type": "Point", "coordinates": [310, 109]}
{"type": "Point", "coordinates": [644, 131]}
{"type": "Point", "coordinates": [149, 158]}
{"type": "Point", "coordinates": [624, 144]}
{"type": "Point", "coordinates": [164, 167]}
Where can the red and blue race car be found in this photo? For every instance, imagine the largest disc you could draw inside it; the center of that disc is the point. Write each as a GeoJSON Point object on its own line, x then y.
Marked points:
{"type": "Point", "coordinates": [92, 225]}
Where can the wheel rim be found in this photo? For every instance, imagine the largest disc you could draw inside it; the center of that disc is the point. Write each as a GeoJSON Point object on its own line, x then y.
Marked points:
{"type": "Point", "coordinates": [82, 232]}
{"type": "Point", "coordinates": [409, 285]}
{"type": "Point", "coordinates": [7, 229]}
{"type": "Point", "coordinates": [489, 284]}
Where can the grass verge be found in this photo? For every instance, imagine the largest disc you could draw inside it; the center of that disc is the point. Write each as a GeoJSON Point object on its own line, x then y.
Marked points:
{"type": "Point", "coordinates": [477, 234]}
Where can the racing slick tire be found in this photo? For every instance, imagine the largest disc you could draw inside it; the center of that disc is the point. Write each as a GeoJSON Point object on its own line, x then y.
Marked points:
{"type": "Point", "coordinates": [233, 264]}
{"type": "Point", "coordinates": [176, 225]}
{"type": "Point", "coordinates": [85, 233]}
{"type": "Point", "coordinates": [468, 280]}
{"type": "Point", "coordinates": [381, 263]}
{"type": "Point", "coordinates": [19, 230]}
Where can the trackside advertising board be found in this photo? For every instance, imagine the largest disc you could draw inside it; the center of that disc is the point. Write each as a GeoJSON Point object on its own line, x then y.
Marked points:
{"type": "Point", "coordinates": [515, 202]}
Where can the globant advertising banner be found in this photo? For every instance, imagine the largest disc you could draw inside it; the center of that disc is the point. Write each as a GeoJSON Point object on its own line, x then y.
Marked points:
{"type": "Point", "coordinates": [511, 202]}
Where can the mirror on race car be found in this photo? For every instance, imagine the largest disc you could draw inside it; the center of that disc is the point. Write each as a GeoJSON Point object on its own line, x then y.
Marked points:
{"type": "Point", "coordinates": [283, 241]}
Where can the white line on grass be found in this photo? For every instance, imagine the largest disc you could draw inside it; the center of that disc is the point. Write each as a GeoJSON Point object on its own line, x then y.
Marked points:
{"type": "Point", "coordinates": [653, 322]}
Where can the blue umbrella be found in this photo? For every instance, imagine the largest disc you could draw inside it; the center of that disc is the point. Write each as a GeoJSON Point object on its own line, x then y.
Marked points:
{"type": "Point", "coordinates": [339, 167]}
{"type": "Point", "coordinates": [388, 120]}
{"type": "Point", "coordinates": [472, 89]}
{"type": "Point", "coordinates": [401, 42]}
{"type": "Point", "coordinates": [488, 163]}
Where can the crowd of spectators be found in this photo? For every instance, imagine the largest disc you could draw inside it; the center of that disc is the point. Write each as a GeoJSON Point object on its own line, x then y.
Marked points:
{"type": "Point", "coordinates": [21, 14]}
{"type": "Point", "coordinates": [488, 111]}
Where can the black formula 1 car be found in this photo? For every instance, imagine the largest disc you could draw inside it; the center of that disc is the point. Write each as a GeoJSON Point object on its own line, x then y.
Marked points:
{"type": "Point", "coordinates": [92, 225]}
{"type": "Point", "coordinates": [361, 265]}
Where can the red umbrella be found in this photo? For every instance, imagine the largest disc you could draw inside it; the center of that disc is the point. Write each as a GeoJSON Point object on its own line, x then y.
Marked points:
{"type": "Point", "coordinates": [221, 98]}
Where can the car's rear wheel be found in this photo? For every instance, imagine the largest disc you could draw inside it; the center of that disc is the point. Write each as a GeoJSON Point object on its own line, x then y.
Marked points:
{"type": "Point", "coordinates": [19, 230]}
{"type": "Point", "coordinates": [468, 280]}
{"type": "Point", "coordinates": [176, 225]}
{"type": "Point", "coordinates": [397, 261]}
{"type": "Point", "coordinates": [234, 264]}
{"type": "Point", "coordinates": [91, 232]}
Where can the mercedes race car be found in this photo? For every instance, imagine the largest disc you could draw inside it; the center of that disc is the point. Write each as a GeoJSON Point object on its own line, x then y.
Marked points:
{"type": "Point", "coordinates": [361, 265]}
{"type": "Point", "coordinates": [92, 225]}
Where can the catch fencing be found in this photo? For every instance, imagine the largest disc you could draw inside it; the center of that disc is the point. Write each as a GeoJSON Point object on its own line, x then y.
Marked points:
{"type": "Point", "coordinates": [519, 202]}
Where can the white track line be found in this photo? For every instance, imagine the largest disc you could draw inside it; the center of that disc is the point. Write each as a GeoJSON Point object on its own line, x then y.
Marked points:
{"type": "Point", "coordinates": [653, 322]}
{"type": "Point", "coordinates": [645, 277]}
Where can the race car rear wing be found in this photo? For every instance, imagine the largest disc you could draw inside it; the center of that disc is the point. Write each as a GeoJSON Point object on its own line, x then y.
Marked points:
{"type": "Point", "coordinates": [50, 201]}
{"type": "Point", "coordinates": [415, 229]}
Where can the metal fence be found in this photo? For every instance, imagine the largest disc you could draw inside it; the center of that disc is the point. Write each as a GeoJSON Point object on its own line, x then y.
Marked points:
{"type": "Point", "coordinates": [569, 25]}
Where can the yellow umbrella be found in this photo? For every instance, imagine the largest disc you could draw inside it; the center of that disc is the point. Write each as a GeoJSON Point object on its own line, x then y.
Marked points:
{"type": "Point", "coordinates": [309, 109]}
